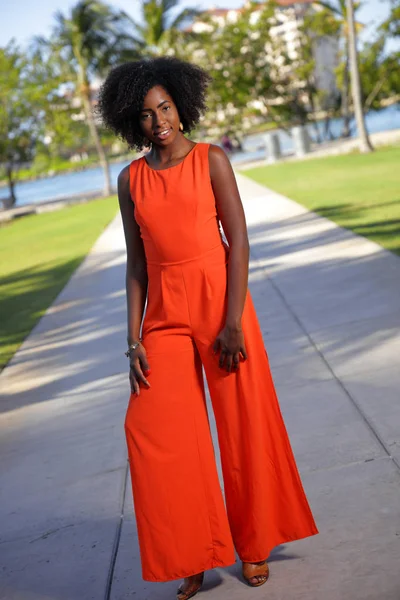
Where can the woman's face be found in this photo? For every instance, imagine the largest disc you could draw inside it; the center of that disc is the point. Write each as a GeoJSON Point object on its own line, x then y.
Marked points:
{"type": "Point", "coordinates": [159, 117]}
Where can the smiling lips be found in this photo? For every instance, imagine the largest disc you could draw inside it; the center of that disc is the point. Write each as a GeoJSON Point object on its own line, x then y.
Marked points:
{"type": "Point", "coordinates": [163, 134]}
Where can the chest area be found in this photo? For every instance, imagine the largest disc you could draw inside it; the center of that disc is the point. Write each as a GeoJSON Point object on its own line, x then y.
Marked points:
{"type": "Point", "coordinates": [171, 195]}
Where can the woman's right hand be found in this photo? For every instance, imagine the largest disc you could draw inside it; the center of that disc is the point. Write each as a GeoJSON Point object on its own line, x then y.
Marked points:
{"type": "Point", "coordinates": [139, 369]}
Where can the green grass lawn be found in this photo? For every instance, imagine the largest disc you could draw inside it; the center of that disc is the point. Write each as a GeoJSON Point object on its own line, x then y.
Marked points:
{"type": "Point", "coordinates": [39, 253]}
{"type": "Point", "coordinates": [358, 191]}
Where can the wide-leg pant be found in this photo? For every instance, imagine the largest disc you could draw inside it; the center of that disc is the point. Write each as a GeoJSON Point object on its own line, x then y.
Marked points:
{"type": "Point", "coordinates": [183, 526]}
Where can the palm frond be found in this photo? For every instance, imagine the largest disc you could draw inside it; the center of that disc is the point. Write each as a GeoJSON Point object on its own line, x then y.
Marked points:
{"type": "Point", "coordinates": [186, 15]}
{"type": "Point", "coordinates": [335, 9]}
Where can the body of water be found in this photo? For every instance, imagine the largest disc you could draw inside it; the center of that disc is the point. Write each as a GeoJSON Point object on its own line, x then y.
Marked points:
{"type": "Point", "coordinates": [376, 121]}
{"type": "Point", "coordinates": [90, 180]}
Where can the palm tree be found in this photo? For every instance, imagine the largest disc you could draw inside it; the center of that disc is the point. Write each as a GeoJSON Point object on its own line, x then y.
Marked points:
{"type": "Point", "coordinates": [91, 38]}
{"type": "Point", "coordinates": [365, 144]}
{"type": "Point", "coordinates": [161, 26]}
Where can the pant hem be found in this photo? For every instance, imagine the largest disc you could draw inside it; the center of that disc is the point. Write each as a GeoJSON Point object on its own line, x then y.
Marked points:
{"type": "Point", "coordinates": [211, 565]}
{"type": "Point", "coordinates": [283, 540]}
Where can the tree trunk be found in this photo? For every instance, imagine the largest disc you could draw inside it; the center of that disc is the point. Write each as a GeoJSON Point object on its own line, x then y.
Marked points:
{"type": "Point", "coordinates": [327, 128]}
{"type": "Point", "coordinates": [85, 95]}
{"type": "Point", "coordinates": [318, 139]}
{"type": "Point", "coordinates": [11, 184]}
{"type": "Point", "coordinates": [345, 95]}
{"type": "Point", "coordinates": [365, 144]}
{"type": "Point", "coordinates": [315, 124]}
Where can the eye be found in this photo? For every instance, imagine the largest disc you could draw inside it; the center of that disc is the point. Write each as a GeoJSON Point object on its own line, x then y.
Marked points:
{"type": "Point", "coordinates": [166, 107]}
{"type": "Point", "coordinates": [144, 116]}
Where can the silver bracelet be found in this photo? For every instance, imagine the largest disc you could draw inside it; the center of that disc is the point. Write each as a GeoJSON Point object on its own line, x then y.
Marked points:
{"type": "Point", "coordinates": [132, 348]}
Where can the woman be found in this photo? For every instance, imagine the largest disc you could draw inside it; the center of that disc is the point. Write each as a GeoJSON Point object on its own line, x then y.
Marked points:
{"type": "Point", "coordinates": [198, 313]}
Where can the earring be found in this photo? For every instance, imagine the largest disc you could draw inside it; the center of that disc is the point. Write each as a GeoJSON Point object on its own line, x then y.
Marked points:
{"type": "Point", "coordinates": [181, 126]}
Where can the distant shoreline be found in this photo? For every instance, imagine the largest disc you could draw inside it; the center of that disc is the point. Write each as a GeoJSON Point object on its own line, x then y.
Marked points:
{"type": "Point", "coordinates": [66, 171]}
{"type": "Point", "coordinates": [36, 208]}
{"type": "Point", "coordinates": [382, 138]}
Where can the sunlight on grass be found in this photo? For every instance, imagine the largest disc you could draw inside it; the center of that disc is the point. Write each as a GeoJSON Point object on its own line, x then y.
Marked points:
{"type": "Point", "coordinates": [39, 253]}
{"type": "Point", "coordinates": [360, 192]}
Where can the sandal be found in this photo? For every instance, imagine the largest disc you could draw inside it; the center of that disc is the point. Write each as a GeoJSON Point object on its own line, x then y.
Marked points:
{"type": "Point", "coordinates": [192, 588]}
{"type": "Point", "coordinates": [255, 574]}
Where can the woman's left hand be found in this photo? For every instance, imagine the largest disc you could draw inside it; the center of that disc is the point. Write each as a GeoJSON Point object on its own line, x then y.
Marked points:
{"type": "Point", "coordinates": [230, 344]}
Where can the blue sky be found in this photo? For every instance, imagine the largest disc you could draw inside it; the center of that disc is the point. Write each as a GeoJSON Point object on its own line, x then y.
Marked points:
{"type": "Point", "coordinates": [22, 19]}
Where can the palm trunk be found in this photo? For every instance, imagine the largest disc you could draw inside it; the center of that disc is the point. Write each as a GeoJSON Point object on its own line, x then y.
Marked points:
{"type": "Point", "coordinates": [345, 95]}
{"type": "Point", "coordinates": [11, 184]}
{"type": "Point", "coordinates": [96, 139]}
{"type": "Point", "coordinates": [327, 130]}
{"type": "Point", "coordinates": [312, 105]}
{"type": "Point", "coordinates": [365, 144]}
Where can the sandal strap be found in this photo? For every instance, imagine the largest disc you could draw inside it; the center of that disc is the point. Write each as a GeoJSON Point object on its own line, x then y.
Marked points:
{"type": "Point", "coordinates": [251, 570]}
{"type": "Point", "coordinates": [182, 595]}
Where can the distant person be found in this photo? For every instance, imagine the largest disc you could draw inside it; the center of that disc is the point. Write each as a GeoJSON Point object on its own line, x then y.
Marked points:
{"type": "Point", "coordinates": [199, 313]}
{"type": "Point", "coordinates": [226, 143]}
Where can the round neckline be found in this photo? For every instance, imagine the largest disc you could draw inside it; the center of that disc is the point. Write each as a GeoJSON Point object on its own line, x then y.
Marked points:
{"type": "Point", "coordinates": [173, 166]}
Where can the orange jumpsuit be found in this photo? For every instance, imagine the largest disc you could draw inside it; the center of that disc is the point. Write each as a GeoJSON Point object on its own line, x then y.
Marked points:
{"type": "Point", "coordinates": [182, 523]}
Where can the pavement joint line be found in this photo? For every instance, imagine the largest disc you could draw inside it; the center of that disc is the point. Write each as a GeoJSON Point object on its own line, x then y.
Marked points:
{"type": "Point", "coordinates": [354, 321]}
{"type": "Point", "coordinates": [345, 465]}
{"type": "Point", "coordinates": [282, 385]}
{"type": "Point", "coordinates": [43, 536]}
{"type": "Point", "coordinates": [328, 366]}
{"type": "Point", "coordinates": [99, 474]}
{"type": "Point", "coordinates": [117, 539]}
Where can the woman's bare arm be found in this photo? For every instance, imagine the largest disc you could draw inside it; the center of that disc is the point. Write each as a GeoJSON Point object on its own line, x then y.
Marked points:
{"type": "Point", "coordinates": [136, 278]}
{"type": "Point", "coordinates": [231, 214]}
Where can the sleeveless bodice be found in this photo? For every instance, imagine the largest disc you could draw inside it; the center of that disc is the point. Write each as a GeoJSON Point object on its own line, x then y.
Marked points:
{"type": "Point", "coordinates": [175, 208]}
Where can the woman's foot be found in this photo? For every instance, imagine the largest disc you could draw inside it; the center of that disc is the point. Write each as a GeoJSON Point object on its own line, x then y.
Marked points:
{"type": "Point", "coordinates": [190, 586]}
{"type": "Point", "coordinates": [256, 574]}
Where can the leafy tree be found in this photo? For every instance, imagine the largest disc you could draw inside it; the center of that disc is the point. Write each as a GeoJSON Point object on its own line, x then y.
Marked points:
{"type": "Point", "coordinates": [391, 75]}
{"type": "Point", "coordinates": [390, 64]}
{"type": "Point", "coordinates": [67, 133]}
{"type": "Point", "coordinates": [22, 96]}
{"type": "Point", "coordinates": [237, 56]}
{"type": "Point", "coordinates": [64, 131]}
{"type": "Point", "coordinates": [379, 70]}
{"type": "Point", "coordinates": [252, 70]}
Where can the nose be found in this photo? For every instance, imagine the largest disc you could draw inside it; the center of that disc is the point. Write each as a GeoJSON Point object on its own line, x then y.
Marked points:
{"type": "Point", "coordinates": [159, 119]}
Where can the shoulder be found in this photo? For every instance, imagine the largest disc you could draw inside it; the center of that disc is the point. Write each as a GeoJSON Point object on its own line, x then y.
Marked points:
{"type": "Point", "coordinates": [216, 153]}
{"type": "Point", "coordinates": [124, 187]}
{"type": "Point", "coordinates": [123, 177]}
{"type": "Point", "coordinates": [127, 172]}
{"type": "Point", "coordinates": [218, 160]}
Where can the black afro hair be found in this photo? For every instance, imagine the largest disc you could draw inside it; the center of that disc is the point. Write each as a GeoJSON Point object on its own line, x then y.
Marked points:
{"type": "Point", "coordinates": [122, 94]}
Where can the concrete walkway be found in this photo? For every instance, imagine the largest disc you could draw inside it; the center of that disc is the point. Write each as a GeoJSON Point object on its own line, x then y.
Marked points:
{"type": "Point", "coordinates": [328, 304]}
